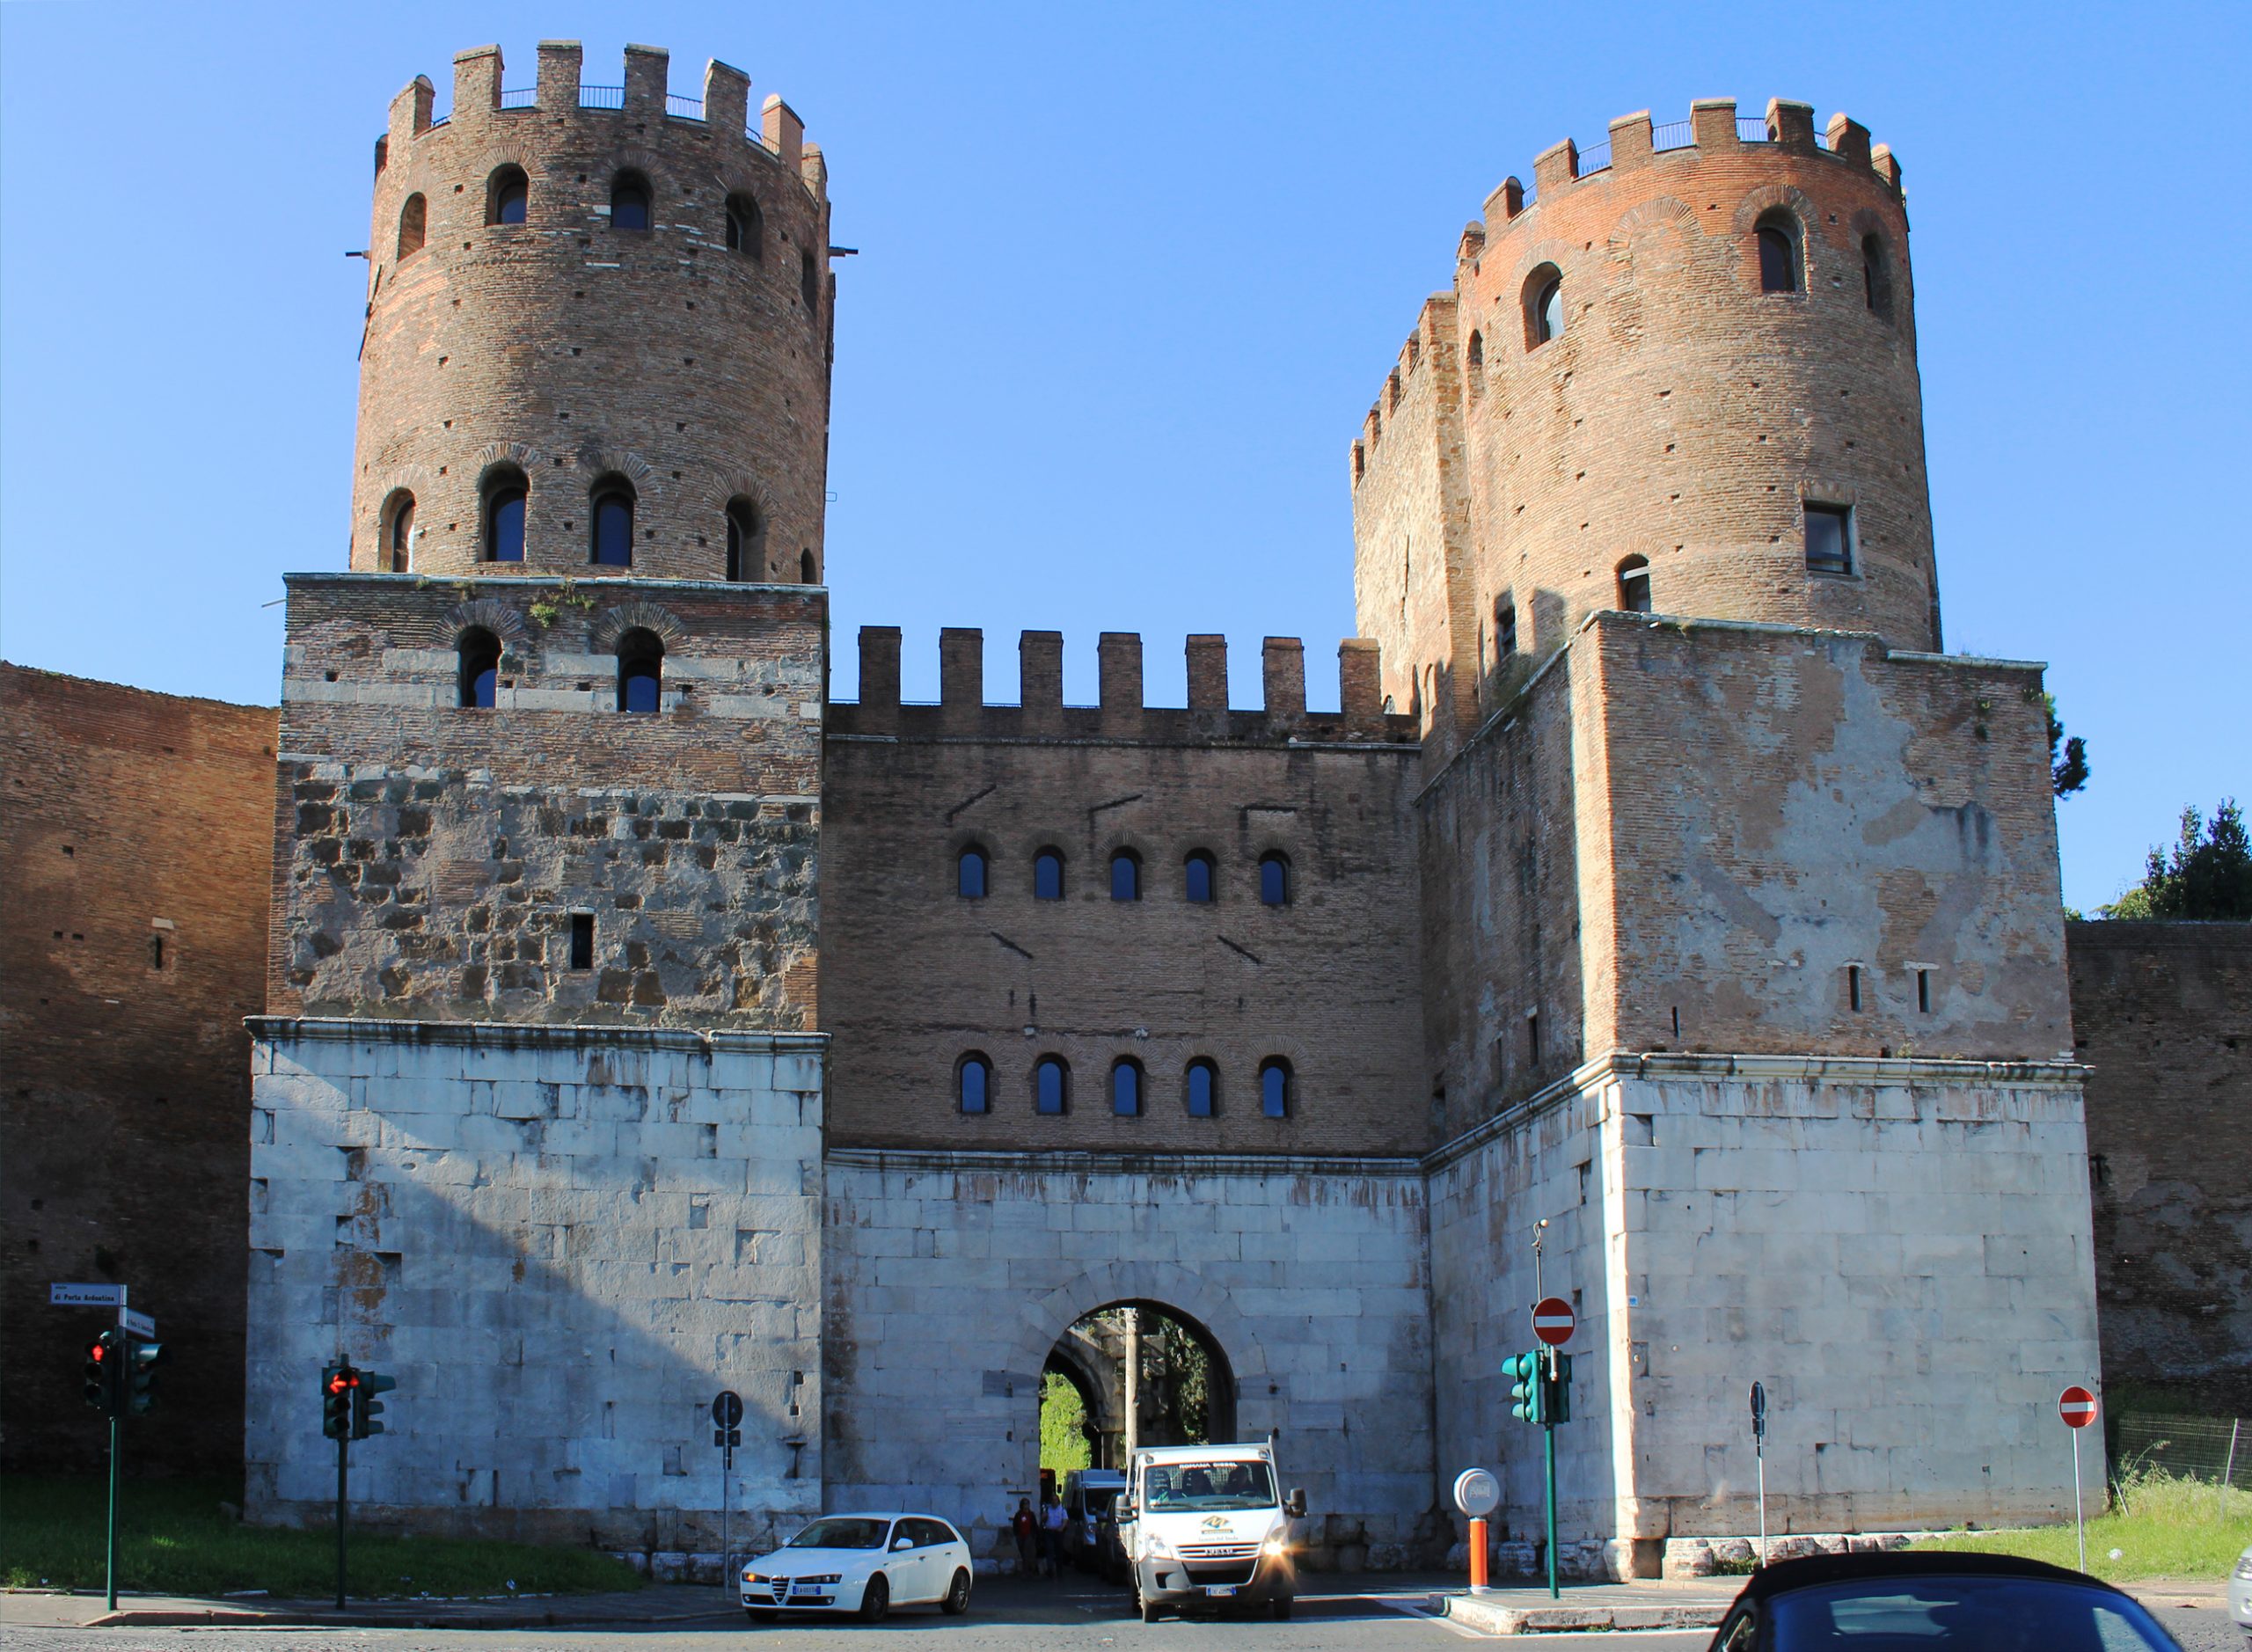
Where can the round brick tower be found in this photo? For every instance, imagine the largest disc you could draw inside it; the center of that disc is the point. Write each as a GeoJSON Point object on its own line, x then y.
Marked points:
{"type": "Point", "coordinates": [1679, 375]}
{"type": "Point", "coordinates": [598, 316]}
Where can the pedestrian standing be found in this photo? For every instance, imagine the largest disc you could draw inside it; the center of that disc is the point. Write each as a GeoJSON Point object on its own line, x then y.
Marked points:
{"type": "Point", "coordinates": [1051, 1536]}
{"type": "Point", "coordinates": [1026, 1525]}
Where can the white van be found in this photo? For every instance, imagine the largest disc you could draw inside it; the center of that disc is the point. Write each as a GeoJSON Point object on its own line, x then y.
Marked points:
{"type": "Point", "coordinates": [1207, 1526]}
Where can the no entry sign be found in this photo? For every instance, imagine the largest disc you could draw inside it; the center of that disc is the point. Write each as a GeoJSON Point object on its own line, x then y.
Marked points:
{"type": "Point", "coordinates": [2077, 1407]}
{"type": "Point", "coordinates": [1553, 1321]}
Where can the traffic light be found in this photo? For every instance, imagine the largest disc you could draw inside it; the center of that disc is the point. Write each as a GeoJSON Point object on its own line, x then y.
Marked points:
{"type": "Point", "coordinates": [101, 1372]}
{"type": "Point", "coordinates": [140, 1374]}
{"type": "Point", "coordinates": [366, 1385]}
{"type": "Point", "coordinates": [1558, 1395]}
{"type": "Point", "coordinates": [1523, 1372]}
{"type": "Point", "coordinates": [337, 1383]}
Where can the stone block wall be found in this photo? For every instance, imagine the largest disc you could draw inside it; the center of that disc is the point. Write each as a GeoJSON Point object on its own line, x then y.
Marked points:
{"type": "Point", "coordinates": [432, 858]}
{"type": "Point", "coordinates": [562, 1242]}
{"type": "Point", "coordinates": [1900, 1251]}
{"type": "Point", "coordinates": [135, 835]}
{"type": "Point", "coordinates": [2164, 1017]}
{"type": "Point", "coordinates": [949, 1277]}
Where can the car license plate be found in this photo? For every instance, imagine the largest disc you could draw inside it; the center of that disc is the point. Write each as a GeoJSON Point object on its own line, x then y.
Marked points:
{"type": "Point", "coordinates": [1216, 1589]}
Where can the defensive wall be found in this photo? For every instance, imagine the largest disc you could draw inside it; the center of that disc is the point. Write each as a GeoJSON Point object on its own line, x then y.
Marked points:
{"type": "Point", "coordinates": [134, 846]}
{"type": "Point", "coordinates": [2163, 1013]}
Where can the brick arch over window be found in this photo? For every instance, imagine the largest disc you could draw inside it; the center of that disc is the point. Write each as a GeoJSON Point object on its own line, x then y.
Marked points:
{"type": "Point", "coordinates": [417, 479]}
{"type": "Point", "coordinates": [1768, 198]}
{"type": "Point", "coordinates": [524, 456]}
{"type": "Point", "coordinates": [597, 463]}
{"type": "Point", "coordinates": [611, 627]}
{"type": "Point", "coordinates": [487, 613]}
{"type": "Point", "coordinates": [1637, 225]}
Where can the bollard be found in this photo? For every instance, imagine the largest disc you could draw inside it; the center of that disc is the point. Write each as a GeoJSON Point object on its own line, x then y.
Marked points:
{"type": "Point", "coordinates": [1477, 1557]}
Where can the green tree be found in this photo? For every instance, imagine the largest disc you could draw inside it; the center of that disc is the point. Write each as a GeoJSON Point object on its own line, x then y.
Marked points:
{"type": "Point", "coordinates": [2068, 769]}
{"type": "Point", "coordinates": [2208, 875]}
{"type": "Point", "coordinates": [1062, 1426]}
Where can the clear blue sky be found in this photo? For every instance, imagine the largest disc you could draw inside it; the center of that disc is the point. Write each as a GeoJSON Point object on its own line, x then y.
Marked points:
{"type": "Point", "coordinates": [1129, 276]}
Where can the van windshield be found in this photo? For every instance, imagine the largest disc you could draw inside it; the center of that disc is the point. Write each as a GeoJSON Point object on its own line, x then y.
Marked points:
{"type": "Point", "coordinates": [1180, 1488]}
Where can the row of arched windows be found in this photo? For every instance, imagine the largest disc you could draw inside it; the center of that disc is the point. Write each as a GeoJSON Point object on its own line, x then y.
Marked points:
{"type": "Point", "coordinates": [507, 200]}
{"type": "Point", "coordinates": [1199, 876]}
{"type": "Point", "coordinates": [1781, 241]}
{"type": "Point", "coordinates": [611, 504]}
{"type": "Point", "coordinates": [1051, 1089]}
{"type": "Point", "coordinates": [641, 670]}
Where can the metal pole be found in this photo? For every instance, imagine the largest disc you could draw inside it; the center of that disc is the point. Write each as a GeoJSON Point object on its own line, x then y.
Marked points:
{"type": "Point", "coordinates": [116, 1452]}
{"type": "Point", "coordinates": [1760, 1450]}
{"type": "Point", "coordinates": [2228, 1469]}
{"type": "Point", "coordinates": [341, 1445]}
{"type": "Point", "coordinates": [2078, 1525]}
{"type": "Point", "coordinates": [727, 1486]}
{"type": "Point", "coordinates": [1548, 1443]}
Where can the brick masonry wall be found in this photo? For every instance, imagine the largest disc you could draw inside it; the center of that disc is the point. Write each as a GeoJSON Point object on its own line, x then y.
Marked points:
{"type": "Point", "coordinates": [431, 856]}
{"type": "Point", "coordinates": [573, 350]}
{"type": "Point", "coordinates": [2164, 1017]}
{"type": "Point", "coordinates": [127, 818]}
{"type": "Point", "coordinates": [1785, 806]}
{"type": "Point", "coordinates": [1683, 415]}
{"type": "Point", "coordinates": [562, 1245]}
{"type": "Point", "coordinates": [918, 976]}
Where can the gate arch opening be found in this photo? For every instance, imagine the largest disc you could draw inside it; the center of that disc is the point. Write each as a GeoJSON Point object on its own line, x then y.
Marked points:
{"type": "Point", "coordinates": [1184, 1387]}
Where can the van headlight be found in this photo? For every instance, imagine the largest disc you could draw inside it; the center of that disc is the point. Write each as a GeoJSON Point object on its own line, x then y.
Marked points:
{"type": "Point", "coordinates": [1278, 1541]}
{"type": "Point", "coordinates": [1156, 1548]}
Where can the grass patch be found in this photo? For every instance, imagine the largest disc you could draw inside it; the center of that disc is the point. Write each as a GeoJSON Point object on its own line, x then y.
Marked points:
{"type": "Point", "coordinates": [2162, 1524]}
{"type": "Point", "coordinates": [181, 1537]}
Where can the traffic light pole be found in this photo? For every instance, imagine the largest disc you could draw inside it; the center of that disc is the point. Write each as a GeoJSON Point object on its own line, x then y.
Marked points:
{"type": "Point", "coordinates": [116, 1452]}
{"type": "Point", "coordinates": [343, 1445]}
{"type": "Point", "coordinates": [1548, 1449]}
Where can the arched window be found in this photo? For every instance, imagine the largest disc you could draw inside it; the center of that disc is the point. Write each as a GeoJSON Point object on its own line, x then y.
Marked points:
{"type": "Point", "coordinates": [746, 232]}
{"type": "Point", "coordinates": [611, 538]}
{"type": "Point", "coordinates": [970, 872]}
{"type": "Point", "coordinates": [1125, 876]}
{"type": "Point", "coordinates": [1544, 306]}
{"type": "Point", "coordinates": [1876, 275]}
{"type": "Point", "coordinates": [503, 528]}
{"type": "Point", "coordinates": [399, 537]}
{"type": "Point", "coordinates": [481, 668]}
{"type": "Point", "coordinates": [1779, 253]}
{"type": "Point", "coordinates": [745, 540]}
{"type": "Point", "coordinates": [413, 225]}
{"type": "Point", "coordinates": [973, 1084]}
{"type": "Point", "coordinates": [1126, 1089]}
{"type": "Point", "coordinates": [1274, 879]}
{"type": "Point", "coordinates": [1200, 879]}
{"type": "Point", "coordinates": [1275, 1088]}
{"type": "Point", "coordinates": [1634, 585]}
{"type": "Point", "coordinates": [1048, 875]}
{"type": "Point", "coordinates": [1202, 1092]}
{"type": "Point", "coordinates": [1504, 628]}
{"type": "Point", "coordinates": [808, 286]}
{"type": "Point", "coordinates": [807, 575]}
{"type": "Point", "coordinates": [641, 671]}
{"type": "Point", "coordinates": [1051, 1085]}
{"type": "Point", "coordinates": [1474, 364]}
{"type": "Point", "coordinates": [629, 202]}
{"type": "Point", "coordinates": [507, 193]}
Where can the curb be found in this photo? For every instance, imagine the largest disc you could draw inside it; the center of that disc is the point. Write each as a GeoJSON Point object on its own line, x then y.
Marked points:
{"type": "Point", "coordinates": [217, 1616]}
{"type": "Point", "coordinates": [1498, 1620]}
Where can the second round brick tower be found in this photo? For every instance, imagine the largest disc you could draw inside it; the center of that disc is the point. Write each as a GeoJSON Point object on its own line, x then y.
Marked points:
{"type": "Point", "coordinates": [1679, 374]}
{"type": "Point", "coordinates": [585, 296]}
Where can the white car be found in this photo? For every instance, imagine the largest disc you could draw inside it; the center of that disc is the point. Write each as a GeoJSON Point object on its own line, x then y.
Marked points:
{"type": "Point", "coordinates": [2239, 1591]}
{"type": "Point", "coordinates": [863, 1563]}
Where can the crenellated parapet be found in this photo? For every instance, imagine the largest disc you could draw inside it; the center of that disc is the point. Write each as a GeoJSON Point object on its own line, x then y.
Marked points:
{"type": "Point", "coordinates": [579, 292]}
{"type": "Point", "coordinates": [1677, 372]}
{"type": "Point", "coordinates": [1120, 714]}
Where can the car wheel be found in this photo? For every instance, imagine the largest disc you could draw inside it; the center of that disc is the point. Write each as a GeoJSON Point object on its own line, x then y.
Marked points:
{"type": "Point", "coordinates": [957, 1600]}
{"type": "Point", "coordinates": [875, 1599]}
{"type": "Point", "coordinates": [1281, 1606]}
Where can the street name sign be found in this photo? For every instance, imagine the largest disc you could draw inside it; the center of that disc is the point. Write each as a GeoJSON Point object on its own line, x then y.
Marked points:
{"type": "Point", "coordinates": [139, 1323]}
{"type": "Point", "coordinates": [1552, 1320]}
{"type": "Point", "coordinates": [61, 1295]}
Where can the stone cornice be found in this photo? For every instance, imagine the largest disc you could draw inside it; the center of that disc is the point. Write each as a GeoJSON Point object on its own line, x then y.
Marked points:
{"type": "Point", "coordinates": [1144, 1164]}
{"type": "Point", "coordinates": [511, 1034]}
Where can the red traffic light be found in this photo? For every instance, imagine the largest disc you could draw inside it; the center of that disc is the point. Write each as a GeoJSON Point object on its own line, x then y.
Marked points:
{"type": "Point", "coordinates": [98, 1350]}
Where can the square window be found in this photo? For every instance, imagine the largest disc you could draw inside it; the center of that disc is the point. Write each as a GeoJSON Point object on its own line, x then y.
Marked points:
{"type": "Point", "coordinates": [1829, 538]}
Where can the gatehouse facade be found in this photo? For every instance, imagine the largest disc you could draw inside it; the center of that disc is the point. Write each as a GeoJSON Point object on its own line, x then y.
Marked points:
{"type": "Point", "coordinates": [640, 1022]}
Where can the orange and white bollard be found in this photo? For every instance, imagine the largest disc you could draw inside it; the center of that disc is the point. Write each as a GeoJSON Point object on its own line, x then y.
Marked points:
{"type": "Point", "coordinates": [1477, 1557]}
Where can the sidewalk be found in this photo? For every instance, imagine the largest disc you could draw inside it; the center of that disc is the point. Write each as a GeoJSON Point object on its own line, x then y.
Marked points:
{"type": "Point", "coordinates": [1519, 1608]}
{"type": "Point", "coordinates": [658, 1603]}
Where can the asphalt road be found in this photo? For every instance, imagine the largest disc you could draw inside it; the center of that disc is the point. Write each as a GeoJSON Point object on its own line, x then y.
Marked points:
{"type": "Point", "coordinates": [1071, 1617]}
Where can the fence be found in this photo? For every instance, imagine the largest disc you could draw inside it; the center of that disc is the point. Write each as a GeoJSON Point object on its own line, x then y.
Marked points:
{"type": "Point", "coordinates": [2215, 1450]}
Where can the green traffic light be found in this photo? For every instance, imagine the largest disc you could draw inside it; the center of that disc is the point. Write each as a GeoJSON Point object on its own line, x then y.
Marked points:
{"type": "Point", "coordinates": [1523, 1372]}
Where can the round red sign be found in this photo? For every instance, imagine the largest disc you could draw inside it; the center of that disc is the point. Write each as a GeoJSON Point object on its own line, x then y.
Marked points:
{"type": "Point", "coordinates": [1553, 1321]}
{"type": "Point", "coordinates": [2077, 1407]}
